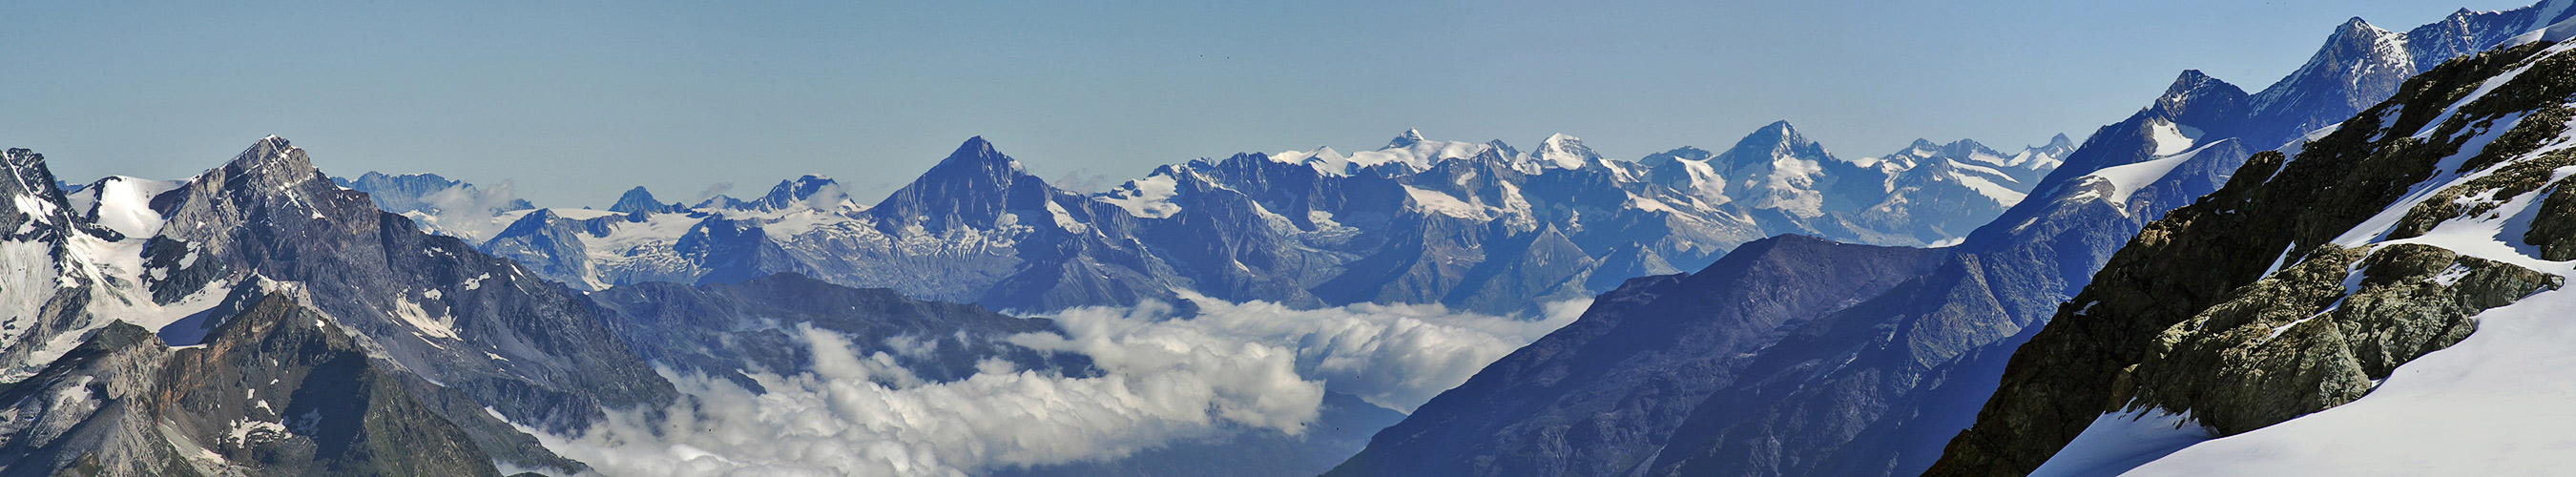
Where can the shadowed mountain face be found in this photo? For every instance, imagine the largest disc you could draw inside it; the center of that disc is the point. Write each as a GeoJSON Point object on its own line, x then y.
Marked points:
{"type": "Point", "coordinates": [1879, 383]}
{"type": "Point", "coordinates": [2201, 312]}
{"type": "Point", "coordinates": [182, 259]}
{"type": "Point", "coordinates": [276, 390]}
{"type": "Point", "coordinates": [1596, 397]}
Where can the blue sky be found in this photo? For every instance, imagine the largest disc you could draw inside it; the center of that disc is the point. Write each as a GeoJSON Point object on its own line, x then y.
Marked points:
{"type": "Point", "coordinates": [576, 101]}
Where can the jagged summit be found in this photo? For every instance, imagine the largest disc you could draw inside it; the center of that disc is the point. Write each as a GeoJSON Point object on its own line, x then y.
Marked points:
{"type": "Point", "coordinates": [1408, 139]}
{"type": "Point", "coordinates": [972, 187]}
{"type": "Point", "coordinates": [1564, 152]}
{"type": "Point", "coordinates": [640, 200]}
{"type": "Point", "coordinates": [2193, 84]}
{"type": "Point", "coordinates": [2358, 65]}
{"type": "Point", "coordinates": [814, 190]}
{"type": "Point", "coordinates": [977, 153]}
{"type": "Point", "coordinates": [1778, 139]}
{"type": "Point", "coordinates": [272, 151]}
{"type": "Point", "coordinates": [1967, 147]}
{"type": "Point", "coordinates": [2196, 98]}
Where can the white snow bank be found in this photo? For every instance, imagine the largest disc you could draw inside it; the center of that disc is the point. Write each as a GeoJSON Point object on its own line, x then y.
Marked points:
{"type": "Point", "coordinates": [2117, 442]}
{"type": "Point", "coordinates": [2494, 404]}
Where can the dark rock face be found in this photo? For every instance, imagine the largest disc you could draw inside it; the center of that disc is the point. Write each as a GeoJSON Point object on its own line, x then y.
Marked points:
{"type": "Point", "coordinates": [434, 305]}
{"type": "Point", "coordinates": [2299, 342]}
{"type": "Point", "coordinates": [459, 330]}
{"type": "Point", "coordinates": [276, 391]}
{"type": "Point", "coordinates": [2129, 339]}
{"type": "Point", "coordinates": [1596, 397]}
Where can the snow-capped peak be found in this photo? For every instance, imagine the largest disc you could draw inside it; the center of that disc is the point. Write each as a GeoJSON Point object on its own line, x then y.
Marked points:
{"type": "Point", "coordinates": [2358, 53]}
{"type": "Point", "coordinates": [809, 191]}
{"type": "Point", "coordinates": [978, 153]}
{"type": "Point", "coordinates": [1774, 141]}
{"type": "Point", "coordinates": [1150, 197]}
{"type": "Point", "coordinates": [1408, 139]}
{"type": "Point", "coordinates": [1564, 152]}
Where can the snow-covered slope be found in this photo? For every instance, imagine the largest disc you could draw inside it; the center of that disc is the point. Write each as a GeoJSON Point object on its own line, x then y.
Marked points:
{"type": "Point", "coordinates": [2375, 305]}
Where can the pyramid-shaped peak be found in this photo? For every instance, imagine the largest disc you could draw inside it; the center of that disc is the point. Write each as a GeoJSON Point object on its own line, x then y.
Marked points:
{"type": "Point", "coordinates": [2191, 81]}
{"type": "Point", "coordinates": [977, 153]}
{"type": "Point", "coordinates": [1408, 139]}
{"type": "Point", "coordinates": [2197, 96]}
{"type": "Point", "coordinates": [638, 200]}
{"type": "Point", "coordinates": [1779, 128]}
{"type": "Point", "coordinates": [1774, 140]}
{"type": "Point", "coordinates": [2356, 25]}
{"type": "Point", "coordinates": [275, 156]}
{"type": "Point", "coordinates": [2058, 144]}
{"type": "Point", "coordinates": [1565, 152]}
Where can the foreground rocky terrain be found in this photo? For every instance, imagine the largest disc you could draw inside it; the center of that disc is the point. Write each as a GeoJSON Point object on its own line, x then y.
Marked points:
{"type": "Point", "coordinates": [2310, 278]}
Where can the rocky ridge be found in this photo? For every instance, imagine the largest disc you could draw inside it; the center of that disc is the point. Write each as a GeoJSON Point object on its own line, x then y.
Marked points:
{"type": "Point", "coordinates": [2308, 277]}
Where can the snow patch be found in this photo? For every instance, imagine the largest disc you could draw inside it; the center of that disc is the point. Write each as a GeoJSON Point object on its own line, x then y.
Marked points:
{"type": "Point", "coordinates": [2126, 179]}
{"type": "Point", "coordinates": [1150, 197]}
{"type": "Point", "coordinates": [441, 326]}
{"type": "Point", "coordinates": [1436, 202]}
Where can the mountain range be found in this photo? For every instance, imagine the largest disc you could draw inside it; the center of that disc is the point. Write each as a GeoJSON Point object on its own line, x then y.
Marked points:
{"type": "Point", "coordinates": [1876, 379]}
{"type": "Point", "coordinates": [2222, 282]}
{"type": "Point", "coordinates": [1474, 226]}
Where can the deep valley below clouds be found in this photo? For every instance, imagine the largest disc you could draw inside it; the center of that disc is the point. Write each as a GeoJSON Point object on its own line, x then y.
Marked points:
{"type": "Point", "coordinates": [1764, 239]}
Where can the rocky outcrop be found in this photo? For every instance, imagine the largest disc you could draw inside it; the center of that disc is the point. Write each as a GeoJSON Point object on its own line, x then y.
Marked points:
{"type": "Point", "coordinates": [277, 390]}
{"type": "Point", "coordinates": [2228, 308]}
{"type": "Point", "coordinates": [2308, 338]}
{"type": "Point", "coordinates": [469, 335]}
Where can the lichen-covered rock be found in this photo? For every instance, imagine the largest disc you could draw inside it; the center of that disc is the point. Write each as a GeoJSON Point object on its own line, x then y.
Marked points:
{"type": "Point", "coordinates": [2302, 341]}
{"type": "Point", "coordinates": [2553, 227]}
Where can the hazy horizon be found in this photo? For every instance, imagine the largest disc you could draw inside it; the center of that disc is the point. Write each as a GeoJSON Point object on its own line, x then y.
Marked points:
{"type": "Point", "coordinates": [578, 102]}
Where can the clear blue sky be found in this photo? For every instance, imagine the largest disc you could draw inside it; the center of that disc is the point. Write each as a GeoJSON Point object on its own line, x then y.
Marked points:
{"type": "Point", "coordinates": [578, 100]}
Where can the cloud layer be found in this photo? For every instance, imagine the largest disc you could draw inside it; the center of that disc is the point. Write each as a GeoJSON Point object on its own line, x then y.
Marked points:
{"type": "Point", "coordinates": [1165, 379]}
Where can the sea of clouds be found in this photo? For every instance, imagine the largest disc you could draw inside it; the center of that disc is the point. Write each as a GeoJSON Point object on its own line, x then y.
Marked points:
{"type": "Point", "coordinates": [1164, 379]}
